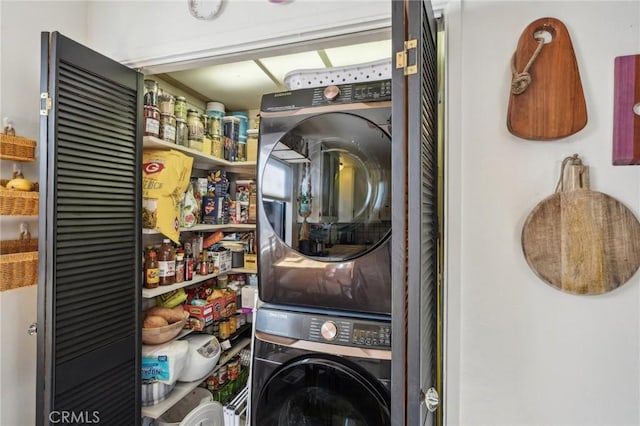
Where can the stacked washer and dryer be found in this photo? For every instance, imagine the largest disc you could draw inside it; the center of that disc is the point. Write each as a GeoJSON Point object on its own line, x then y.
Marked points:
{"type": "Point", "coordinates": [322, 345]}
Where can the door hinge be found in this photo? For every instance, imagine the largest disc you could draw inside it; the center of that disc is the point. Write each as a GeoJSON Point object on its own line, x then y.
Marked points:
{"type": "Point", "coordinates": [45, 103]}
{"type": "Point", "coordinates": [402, 57]}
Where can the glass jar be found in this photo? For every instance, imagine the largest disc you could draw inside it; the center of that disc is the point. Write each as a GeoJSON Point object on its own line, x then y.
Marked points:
{"type": "Point", "coordinates": [180, 108]}
{"type": "Point", "coordinates": [151, 271]}
{"type": "Point", "coordinates": [151, 121]}
{"type": "Point", "coordinates": [196, 129]}
{"type": "Point", "coordinates": [151, 93]}
{"type": "Point", "coordinates": [182, 132]}
{"type": "Point", "coordinates": [168, 127]}
{"type": "Point", "coordinates": [166, 103]}
{"type": "Point", "coordinates": [217, 146]}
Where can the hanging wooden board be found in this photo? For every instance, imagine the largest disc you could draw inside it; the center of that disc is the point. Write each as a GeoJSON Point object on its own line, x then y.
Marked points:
{"type": "Point", "coordinates": [553, 104]}
{"type": "Point", "coordinates": [581, 241]}
{"type": "Point", "coordinates": [626, 111]}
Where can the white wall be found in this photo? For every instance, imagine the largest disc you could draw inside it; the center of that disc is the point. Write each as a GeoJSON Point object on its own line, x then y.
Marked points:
{"type": "Point", "coordinates": [20, 25]}
{"type": "Point", "coordinates": [526, 353]}
{"type": "Point", "coordinates": [163, 32]}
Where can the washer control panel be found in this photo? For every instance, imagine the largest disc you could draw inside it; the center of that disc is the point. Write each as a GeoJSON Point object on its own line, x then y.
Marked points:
{"type": "Point", "coordinates": [346, 331]}
{"type": "Point", "coordinates": [335, 94]}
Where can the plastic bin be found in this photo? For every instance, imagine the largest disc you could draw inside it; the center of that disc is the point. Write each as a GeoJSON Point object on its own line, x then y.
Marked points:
{"type": "Point", "coordinates": [195, 409]}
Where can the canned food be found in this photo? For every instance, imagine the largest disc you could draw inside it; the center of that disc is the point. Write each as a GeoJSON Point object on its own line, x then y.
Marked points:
{"type": "Point", "coordinates": [233, 369]}
{"type": "Point", "coordinates": [222, 375]}
{"type": "Point", "coordinates": [151, 121]}
{"type": "Point", "coordinates": [182, 132]}
{"type": "Point", "coordinates": [168, 127]}
{"type": "Point", "coordinates": [212, 382]}
{"type": "Point", "coordinates": [180, 108]}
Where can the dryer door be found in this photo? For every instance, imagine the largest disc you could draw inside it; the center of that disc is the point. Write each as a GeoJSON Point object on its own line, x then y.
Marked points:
{"type": "Point", "coordinates": [321, 389]}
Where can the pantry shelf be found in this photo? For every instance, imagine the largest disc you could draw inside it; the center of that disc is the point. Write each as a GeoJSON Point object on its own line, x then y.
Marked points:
{"type": "Point", "coordinates": [182, 389]}
{"type": "Point", "coordinates": [200, 159]}
{"type": "Point", "coordinates": [148, 293]}
{"type": "Point", "coordinates": [203, 227]}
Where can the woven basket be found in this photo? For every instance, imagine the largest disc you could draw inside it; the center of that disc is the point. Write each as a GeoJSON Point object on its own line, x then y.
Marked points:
{"type": "Point", "coordinates": [17, 148]}
{"type": "Point", "coordinates": [18, 263]}
{"type": "Point", "coordinates": [18, 203]}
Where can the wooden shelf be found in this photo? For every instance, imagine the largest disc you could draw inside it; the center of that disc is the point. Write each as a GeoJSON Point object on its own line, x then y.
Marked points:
{"type": "Point", "coordinates": [182, 389]}
{"type": "Point", "coordinates": [200, 159]}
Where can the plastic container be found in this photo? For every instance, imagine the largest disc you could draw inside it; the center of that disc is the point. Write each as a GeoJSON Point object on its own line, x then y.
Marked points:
{"type": "Point", "coordinates": [215, 111]}
{"type": "Point", "coordinates": [244, 123]}
{"type": "Point", "coordinates": [196, 408]}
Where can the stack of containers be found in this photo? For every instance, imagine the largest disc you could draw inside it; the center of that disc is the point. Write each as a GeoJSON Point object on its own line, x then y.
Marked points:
{"type": "Point", "coordinates": [242, 134]}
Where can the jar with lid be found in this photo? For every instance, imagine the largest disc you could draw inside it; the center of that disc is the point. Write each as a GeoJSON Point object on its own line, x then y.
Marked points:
{"type": "Point", "coordinates": [166, 103]}
{"type": "Point", "coordinates": [168, 127]}
{"type": "Point", "coordinates": [180, 108]}
{"type": "Point", "coordinates": [196, 129]}
{"type": "Point", "coordinates": [167, 263]}
{"type": "Point", "coordinates": [151, 93]}
{"type": "Point", "coordinates": [151, 271]}
{"type": "Point", "coordinates": [182, 132]}
{"type": "Point", "coordinates": [151, 121]}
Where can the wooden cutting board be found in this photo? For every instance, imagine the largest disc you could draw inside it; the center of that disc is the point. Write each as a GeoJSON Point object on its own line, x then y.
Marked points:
{"type": "Point", "coordinates": [553, 104]}
{"type": "Point", "coordinates": [581, 241]}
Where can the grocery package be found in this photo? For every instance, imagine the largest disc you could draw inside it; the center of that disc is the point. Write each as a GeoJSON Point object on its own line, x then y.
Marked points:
{"type": "Point", "coordinates": [165, 178]}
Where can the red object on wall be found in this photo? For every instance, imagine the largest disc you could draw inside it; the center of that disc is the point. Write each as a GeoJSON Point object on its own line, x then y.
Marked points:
{"type": "Point", "coordinates": [626, 111]}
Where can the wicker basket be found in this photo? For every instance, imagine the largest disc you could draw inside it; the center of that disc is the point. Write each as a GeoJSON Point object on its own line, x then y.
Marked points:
{"type": "Point", "coordinates": [18, 263]}
{"type": "Point", "coordinates": [17, 148]}
{"type": "Point", "coordinates": [18, 203]}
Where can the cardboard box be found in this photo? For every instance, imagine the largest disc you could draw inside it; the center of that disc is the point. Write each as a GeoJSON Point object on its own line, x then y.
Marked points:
{"type": "Point", "coordinates": [251, 261]}
{"type": "Point", "coordinates": [202, 316]}
{"type": "Point", "coordinates": [221, 261]}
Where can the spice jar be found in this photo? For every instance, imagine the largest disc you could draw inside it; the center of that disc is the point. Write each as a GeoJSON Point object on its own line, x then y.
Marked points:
{"type": "Point", "coordinates": [151, 121]}
{"type": "Point", "coordinates": [180, 267]}
{"type": "Point", "coordinates": [168, 127]}
{"type": "Point", "coordinates": [167, 263]}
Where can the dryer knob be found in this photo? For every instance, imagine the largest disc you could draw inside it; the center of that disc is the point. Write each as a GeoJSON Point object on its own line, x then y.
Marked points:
{"type": "Point", "coordinates": [329, 330]}
{"type": "Point", "coordinates": [331, 92]}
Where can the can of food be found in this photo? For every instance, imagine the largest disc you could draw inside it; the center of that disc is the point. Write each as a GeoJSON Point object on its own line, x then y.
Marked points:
{"type": "Point", "coordinates": [151, 121]}
{"type": "Point", "coordinates": [233, 369]}
{"type": "Point", "coordinates": [168, 127]}
{"type": "Point", "coordinates": [224, 329]}
{"type": "Point", "coordinates": [212, 382]}
{"type": "Point", "coordinates": [180, 108]}
{"type": "Point", "coordinates": [222, 375]}
{"type": "Point", "coordinates": [182, 132]}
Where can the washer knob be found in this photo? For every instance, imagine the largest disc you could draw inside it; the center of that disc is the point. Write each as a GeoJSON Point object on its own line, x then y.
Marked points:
{"type": "Point", "coordinates": [331, 92]}
{"type": "Point", "coordinates": [329, 330]}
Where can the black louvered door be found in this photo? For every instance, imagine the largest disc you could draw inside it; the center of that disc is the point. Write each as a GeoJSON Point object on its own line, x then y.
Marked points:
{"type": "Point", "coordinates": [89, 234]}
{"type": "Point", "coordinates": [416, 292]}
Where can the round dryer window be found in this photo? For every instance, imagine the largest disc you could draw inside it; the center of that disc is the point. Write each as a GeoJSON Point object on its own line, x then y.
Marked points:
{"type": "Point", "coordinates": [326, 186]}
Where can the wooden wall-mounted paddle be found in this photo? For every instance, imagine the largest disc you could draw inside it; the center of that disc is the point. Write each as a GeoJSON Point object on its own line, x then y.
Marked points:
{"type": "Point", "coordinates": [552, 105]}
{"type": "Point", "coordinates": [581, 241]}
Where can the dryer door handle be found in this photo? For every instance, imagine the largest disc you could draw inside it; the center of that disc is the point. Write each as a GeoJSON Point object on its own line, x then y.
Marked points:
{"type": "Point", "coordinates": [324, 347]}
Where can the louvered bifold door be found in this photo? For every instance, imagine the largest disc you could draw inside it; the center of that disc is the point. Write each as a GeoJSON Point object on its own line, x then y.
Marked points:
{"type": "Point", "coordinates": [89, 286]}
{"type": "Point", "coordinates": [415, 225]}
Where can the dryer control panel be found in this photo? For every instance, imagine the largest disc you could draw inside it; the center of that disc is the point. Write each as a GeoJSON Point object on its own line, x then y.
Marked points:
{"type": "Point", "coordinates": [370, 91]}
{"type": "Point", "coordinates": [346, 331]}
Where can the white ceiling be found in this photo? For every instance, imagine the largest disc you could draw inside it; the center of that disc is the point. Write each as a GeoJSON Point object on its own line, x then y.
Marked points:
{"type": "Point", "coordinates": [240, 85]}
